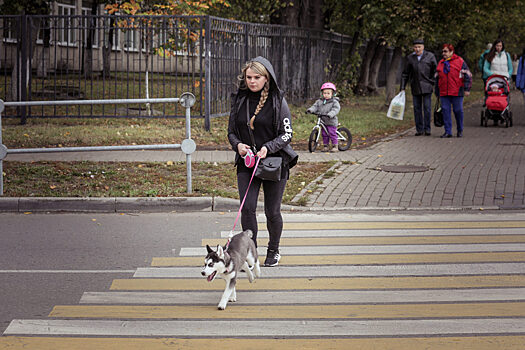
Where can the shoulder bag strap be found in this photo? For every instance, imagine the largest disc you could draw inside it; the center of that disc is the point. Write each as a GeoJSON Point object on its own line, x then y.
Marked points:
{"type": "Point", "coordinates": [248, 124]}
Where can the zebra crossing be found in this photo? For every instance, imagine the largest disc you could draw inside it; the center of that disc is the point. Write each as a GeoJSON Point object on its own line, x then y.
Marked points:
{"type": "Point", "coordinates": [342, 283]}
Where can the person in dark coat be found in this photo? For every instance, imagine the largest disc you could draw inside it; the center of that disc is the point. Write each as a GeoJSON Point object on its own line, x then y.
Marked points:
{"type": "Point", "coordinates": [259, 105]}
{"type": "Point", "coordinates": [420, 68]}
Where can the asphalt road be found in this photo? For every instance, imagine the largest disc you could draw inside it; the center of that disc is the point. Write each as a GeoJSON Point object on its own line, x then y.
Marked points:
{"type": "Point", "coordinates": [50, 259]}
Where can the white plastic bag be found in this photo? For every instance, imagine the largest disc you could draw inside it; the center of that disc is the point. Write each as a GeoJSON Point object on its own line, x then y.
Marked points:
{"type": "Point", "coordinates": [397, 107]}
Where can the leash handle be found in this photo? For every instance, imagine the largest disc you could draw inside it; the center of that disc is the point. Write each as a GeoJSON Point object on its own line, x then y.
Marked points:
{"type": "Point", "coordinates": [244, 199]}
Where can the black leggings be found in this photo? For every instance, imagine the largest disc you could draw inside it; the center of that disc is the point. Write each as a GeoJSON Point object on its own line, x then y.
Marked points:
{"type": "Point", "coordinates": [273, 195]}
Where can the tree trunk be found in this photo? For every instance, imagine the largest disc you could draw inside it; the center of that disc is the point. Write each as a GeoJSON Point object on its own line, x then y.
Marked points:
{"type": "Point", "coordinates": [316, 14]}
{"type": "Point", "coordinates": [392, 75]}
{"type": "Point", "coordinates": [32, 25]}
{"type": "Point", "coordinates": [289, 15]}
{"type": "Point", "coordinates": [88, 55]}
{"type": "Point", "coordinates": [362, 83]}
{"type": "Point", "coordinates": [375, 65]}
{"type": "Point", "coordinates": [106, 48]}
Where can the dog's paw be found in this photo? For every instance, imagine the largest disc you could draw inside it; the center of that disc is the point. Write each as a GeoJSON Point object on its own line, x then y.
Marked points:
{"type": "Point", "coordinates": [251, 277]}
{"type": "Point", "coordinates": [233, 299]}
{"type": "Point", "coordinates": [221, 307]}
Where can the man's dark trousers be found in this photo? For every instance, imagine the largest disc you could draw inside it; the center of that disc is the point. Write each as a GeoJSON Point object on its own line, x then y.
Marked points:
{"type": "Point", "coordinates": [422, 112]}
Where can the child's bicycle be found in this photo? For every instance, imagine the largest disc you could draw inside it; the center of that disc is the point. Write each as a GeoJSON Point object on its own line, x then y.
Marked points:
{"type": "Point", "coordinates": [344, 137]}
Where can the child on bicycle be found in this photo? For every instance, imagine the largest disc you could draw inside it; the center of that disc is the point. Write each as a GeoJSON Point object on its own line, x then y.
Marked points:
{"type": "Point", "coordinates": [327, 107]}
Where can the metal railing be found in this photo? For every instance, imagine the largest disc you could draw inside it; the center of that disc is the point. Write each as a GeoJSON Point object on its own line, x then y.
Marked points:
{"type": "Point", "coordinates": [188, 146]}
{"type": "Point", "coordinates": [94, 57]}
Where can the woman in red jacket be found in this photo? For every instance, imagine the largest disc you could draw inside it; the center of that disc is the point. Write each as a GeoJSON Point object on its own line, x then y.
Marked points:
{"type": "Point", "coordinates": [453, 82]}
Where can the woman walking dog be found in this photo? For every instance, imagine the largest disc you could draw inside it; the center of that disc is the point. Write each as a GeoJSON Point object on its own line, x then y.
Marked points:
{"type": "Point", "coordinates": [260, 121]}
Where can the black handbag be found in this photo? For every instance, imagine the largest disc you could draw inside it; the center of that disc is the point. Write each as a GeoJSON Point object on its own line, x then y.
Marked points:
{"type": "Point", "coordinates": [269, 168]}
{"type": "Point", "coordinates": [438, 114]}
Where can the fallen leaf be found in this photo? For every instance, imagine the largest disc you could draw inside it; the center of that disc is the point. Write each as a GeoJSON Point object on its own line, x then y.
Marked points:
{"type": "Point", "coordinates": [169, 162]}
{"type": "Point", "coordinates": [52, 187]}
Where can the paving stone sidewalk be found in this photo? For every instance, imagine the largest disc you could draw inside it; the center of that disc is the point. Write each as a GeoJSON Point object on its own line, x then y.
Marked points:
{"type": "Point", "coordinates": [484, 169]}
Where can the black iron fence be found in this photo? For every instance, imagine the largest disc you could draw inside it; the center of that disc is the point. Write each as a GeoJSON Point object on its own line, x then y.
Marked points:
{"type": "Point", "coordinates": [104, 57]}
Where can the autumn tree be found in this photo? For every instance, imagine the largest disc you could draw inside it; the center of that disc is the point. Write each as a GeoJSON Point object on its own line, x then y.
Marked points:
{"type": "Point", "coordinates": [140, 15]}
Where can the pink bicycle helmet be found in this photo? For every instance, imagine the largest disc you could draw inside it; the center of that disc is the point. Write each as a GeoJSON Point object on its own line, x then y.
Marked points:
{"type": "Point", "coordinates": [328, 85]}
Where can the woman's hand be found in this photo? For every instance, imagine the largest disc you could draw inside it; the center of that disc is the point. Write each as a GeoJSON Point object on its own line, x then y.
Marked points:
{"type": "Point", "coordinates": [467, 93]}
{"type": "Point", "coordinates": [242, 148]}
{"type": "Point", "coordinates": [263, 152]}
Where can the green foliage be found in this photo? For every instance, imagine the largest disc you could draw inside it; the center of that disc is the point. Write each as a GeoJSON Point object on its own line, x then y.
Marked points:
{"type": "Point", "coordinates": [255, 11]}
{"type": "Point", "coordinates": [29, 7]}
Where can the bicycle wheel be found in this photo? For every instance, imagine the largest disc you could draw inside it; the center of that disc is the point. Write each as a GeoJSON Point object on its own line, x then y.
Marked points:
{"type": "Point", "coordinates": [344, 138]}
{"type": "Point", "coordinates": [312, 141]}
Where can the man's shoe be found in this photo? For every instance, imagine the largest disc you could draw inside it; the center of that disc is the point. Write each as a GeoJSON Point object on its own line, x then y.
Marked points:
{"type": "Point", "coordinates": [326, 148]}
{"type": "Point", "coordinates": [460, 133]}
{"type": "Point", "coordinates": [418, 133]}
{"type": "Point", "coordinates": [427, 133]}
{"type": "Point", "coordinates": [445, 136]}
{"type": "Point", "coordinates": [272, 258]}
{"type": "Point", "coordinates": [334, 149]}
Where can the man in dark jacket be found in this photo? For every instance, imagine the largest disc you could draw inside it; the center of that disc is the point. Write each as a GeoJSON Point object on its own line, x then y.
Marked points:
{"type": "Point", "coordinates": [420, 68]}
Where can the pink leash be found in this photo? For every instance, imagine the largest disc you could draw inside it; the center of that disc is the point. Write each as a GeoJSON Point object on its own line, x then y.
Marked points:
{"type": "Point", "coordinates": [242, 203]}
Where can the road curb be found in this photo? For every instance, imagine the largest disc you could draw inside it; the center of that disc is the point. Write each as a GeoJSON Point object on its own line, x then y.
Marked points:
{"type": "Point", "coordinates": [184, 204]}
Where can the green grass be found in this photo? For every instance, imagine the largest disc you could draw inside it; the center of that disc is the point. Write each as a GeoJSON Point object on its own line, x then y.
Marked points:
{"type": "Point", "coordinates": [364, 116]}
{"type": "Point", "coordinates": [123, 179]}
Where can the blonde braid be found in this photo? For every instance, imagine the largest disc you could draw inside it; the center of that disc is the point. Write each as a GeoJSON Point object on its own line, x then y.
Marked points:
{"type": "Point", "coordinates": [262, 101]}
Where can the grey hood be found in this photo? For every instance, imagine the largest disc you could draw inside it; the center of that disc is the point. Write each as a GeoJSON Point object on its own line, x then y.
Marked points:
{"type": "Point", "coordinates": [270, 70]}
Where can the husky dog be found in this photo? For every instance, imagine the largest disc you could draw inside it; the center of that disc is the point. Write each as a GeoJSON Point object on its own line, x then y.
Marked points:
{"type": "Point", "coordinates": [240, 254]}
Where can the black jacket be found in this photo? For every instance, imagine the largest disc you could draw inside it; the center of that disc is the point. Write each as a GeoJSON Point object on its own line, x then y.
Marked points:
{"type": "Point", "coordinates": [420, 73]}
{"type": "Point", "coordinates": [282, 121]}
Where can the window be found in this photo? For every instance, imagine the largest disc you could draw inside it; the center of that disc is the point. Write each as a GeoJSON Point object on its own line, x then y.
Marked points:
{"type": "Point", "coordinates": [65, 29]}
{"type": "Point", "coordinates": [132, 39]}
{"type": "Point", "coordinates": [8, 29]}
{"type": "Point", "coordinates": [86, 12]}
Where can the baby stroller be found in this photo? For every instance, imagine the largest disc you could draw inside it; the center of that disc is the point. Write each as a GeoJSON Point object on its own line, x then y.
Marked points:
{"type": "Point", "coordinates": [497, 98]}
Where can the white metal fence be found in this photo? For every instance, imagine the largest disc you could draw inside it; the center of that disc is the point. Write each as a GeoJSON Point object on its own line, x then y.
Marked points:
{"type": "Point", "coordinates": [188, 146]}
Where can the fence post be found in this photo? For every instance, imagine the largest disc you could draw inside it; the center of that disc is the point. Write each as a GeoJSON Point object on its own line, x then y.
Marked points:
{"type": "Point", "coordinates": [246, 42]}
{"type": "Point", "coordinates": [187, 100]}
{"type": "Point", "coordinates": [207, 75]}
{"type": "Point", "coordinates": [3, 152]}
{"type": "Point", "coordinates": [307, 75]}
{"type": "Point", "coordinates": [23, 67]}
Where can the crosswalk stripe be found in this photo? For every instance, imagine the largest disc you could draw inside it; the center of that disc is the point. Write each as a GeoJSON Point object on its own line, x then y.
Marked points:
{"type": "Point", "coordinates": [308, 297]}
{"type": "Point", "coordinates": [325, 283]}
{"type": "Point", "coordinates": [265, 328]}
{"type": "Point", "coordinates": [510, 342]}
{"type": "Point", "coordinates": [364, 249]}
{"type": "Point", "coordinates": [389, 232]}
{"type": "Point", "coordinates": [334, 241]}
{"type": "Point", "coordinates": [340, 311]}
{"type": "Point", "coordinates": [363, 225]}
{"type": "Point", "coordinates": [359, 259]}
{"type": "Point", "coordinates": [348, 271]}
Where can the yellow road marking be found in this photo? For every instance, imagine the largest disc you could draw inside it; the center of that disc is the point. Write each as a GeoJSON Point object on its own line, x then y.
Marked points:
{"type": "Point", "coordinates": [448, 310]}
{"type": "Point", "coordinates": [429, 343]}
{"type": "Point", "coordinates": [364, 225]}
{"type": "Point", "coordinates": [362, 259]}
{"type": "Point", "coordinates": [318, 241]}
{"type": "Point", "coordinates": [355, 283]}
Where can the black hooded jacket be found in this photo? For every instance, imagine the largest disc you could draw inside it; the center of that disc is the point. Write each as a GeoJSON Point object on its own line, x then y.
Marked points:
{"type": "Point", "coordinates": [282, 120]}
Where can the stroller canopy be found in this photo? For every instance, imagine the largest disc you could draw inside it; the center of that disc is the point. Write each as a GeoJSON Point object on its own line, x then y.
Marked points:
{"type": "Point", "coordinates": [499, 79]}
